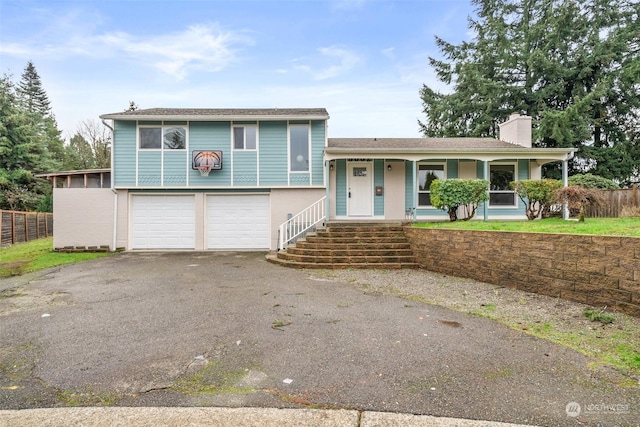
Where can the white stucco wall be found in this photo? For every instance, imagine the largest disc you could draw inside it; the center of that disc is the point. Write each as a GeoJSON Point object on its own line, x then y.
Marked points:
{"type": "Point", "coordinates": [394, 191]}
{"type": "Point", "coordinates": [290, 201]}
{"type": "Point", "coordinates": [467, 169]}
{"type": "Point", "coordinates": [82, 217]}
{"type": "Point", "coordinates": [122, 235]}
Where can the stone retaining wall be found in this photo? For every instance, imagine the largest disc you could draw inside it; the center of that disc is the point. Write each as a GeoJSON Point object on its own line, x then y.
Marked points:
{"type": "Point", "coordinates": [596, 270]}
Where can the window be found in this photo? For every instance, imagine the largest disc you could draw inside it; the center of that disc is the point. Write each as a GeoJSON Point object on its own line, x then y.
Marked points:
{"type": "Point", "coordinates": [245, 137]}
{"type": "Point", "coordinates": [500, 175]}
{"type": "Point", "coordinates": [359, 171]}
{"type": "Point", "coordinates": [175, 138]}
{"type": "Point", "coordinates": [426, 174]}
{"type": "Point", "coordinates": [150, 137]}
{"type": "Point", "coordinates": [299, 148]}
{"type": "Point", "coordinates": [167, 137]}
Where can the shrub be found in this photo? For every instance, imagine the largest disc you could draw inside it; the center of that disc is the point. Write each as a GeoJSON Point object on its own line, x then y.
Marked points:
{"type": "Point", "coordinates": [450, 194]}
{"type": "Point", "coordinates": [537, 195]}
{"type": "Point", "coordinates": [588, 180]}
{"type": "Point", "coordinates": [577, 198]}
{"type": "Point", "coordinates": [601, 315]}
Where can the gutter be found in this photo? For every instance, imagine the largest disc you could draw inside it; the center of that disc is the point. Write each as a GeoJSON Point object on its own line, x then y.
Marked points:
{"type": "Point", "coordinates": [209, 118]}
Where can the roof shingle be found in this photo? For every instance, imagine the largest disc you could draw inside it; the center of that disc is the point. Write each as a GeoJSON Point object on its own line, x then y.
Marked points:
{"type": "Point", "coordinates": [419, 143]}
{"type": "Point", "coordinates": [228, 113]}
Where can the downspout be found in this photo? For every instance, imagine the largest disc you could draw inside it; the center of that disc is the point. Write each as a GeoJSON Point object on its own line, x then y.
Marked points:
{"type": "Point", "coordinates": [115, 193]}
{"type": "Point", "coordinates": [115, 220]}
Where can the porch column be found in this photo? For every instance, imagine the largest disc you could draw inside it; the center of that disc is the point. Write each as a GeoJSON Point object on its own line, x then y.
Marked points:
{"type": "Point", "coordinates": [414, 202]}
{"type": "Point", "coordinates": [327, 174]}
{"type": "Point", "coordinates": [485, 176]}
{"type": "Point", "coordinates": [565, 183]}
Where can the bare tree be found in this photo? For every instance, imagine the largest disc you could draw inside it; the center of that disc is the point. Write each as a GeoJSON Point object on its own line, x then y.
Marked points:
{"type": "Point", "coordinates": [99, 139]}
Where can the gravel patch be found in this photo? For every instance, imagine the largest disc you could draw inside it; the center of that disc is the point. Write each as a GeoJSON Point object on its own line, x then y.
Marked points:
{"type": "Point", "coordinates": [614, 345]}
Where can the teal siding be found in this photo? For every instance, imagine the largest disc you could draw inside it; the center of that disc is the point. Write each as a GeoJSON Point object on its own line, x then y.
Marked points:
{"type": "Point", "coordinates": [433, 212]}
{"type": "Point", "coordinates": [408, 184]}
{"type": "Point", "coordinates": [378, 180]}
{"type": "Point", "coordinates": [149, 167]}
{"type": "Point", "coordinates": [245, 168]}
{"type": "Point", "coordinates": [300, 178]}
{"type": "Point", "coordinates": [266, 166]}
{"type": "Point", "coordinates": [519, 210]}
{"type": "Point", "coordinates": [317, 152]}
{"type": "Point", "coordinates": [523, 169]}
{"type": "Point", "coordinates": [124, 154]}
{"type": "Point", "coordinates": [273, 153]}
{"type": "Point", "coordinates": [452, 169]}
{"type": "Point", "coordinates": [480, 169]}
{"type": "Point", "coordinates": [341, 187]}
{"type": "Point", "coordinates": [211, 136]}
{"type": "Point", "coordinates": [175, 168]}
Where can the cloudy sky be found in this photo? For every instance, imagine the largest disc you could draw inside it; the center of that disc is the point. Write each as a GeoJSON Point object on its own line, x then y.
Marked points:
{"type": "Point", "coordinates": [363, 60]}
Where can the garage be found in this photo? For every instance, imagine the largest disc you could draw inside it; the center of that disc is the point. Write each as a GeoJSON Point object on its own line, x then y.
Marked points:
{"type": "Point", "coordinates": [238, 221]}
{"type": "Point", "coordinates": [163, 222]}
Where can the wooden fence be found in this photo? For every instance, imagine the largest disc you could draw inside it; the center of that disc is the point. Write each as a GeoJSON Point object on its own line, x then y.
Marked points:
{"type": "Point", "coordinates": [18, 227]}
{"type": "Point", "coordinates": [614, 201]}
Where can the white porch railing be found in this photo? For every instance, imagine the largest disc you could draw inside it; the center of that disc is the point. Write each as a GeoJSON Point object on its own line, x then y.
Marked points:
{"type": "Point", "coordinates": [301, 223]}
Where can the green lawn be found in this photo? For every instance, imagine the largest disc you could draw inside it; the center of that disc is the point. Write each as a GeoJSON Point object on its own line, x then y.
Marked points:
{"type": "Point", "coordinates": [37, 255]}
{"type": "Point", "coordinates": [599, 226]}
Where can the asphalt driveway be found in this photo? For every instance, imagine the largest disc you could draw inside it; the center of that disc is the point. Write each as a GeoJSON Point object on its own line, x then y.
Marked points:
{"type": "Point", "coordinates": [229, 329]}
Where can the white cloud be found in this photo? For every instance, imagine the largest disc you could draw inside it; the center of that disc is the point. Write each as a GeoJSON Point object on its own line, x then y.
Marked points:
{"type": "Point", "coordinates": [198, 47]}
{"type": "Point", "coordinates": [332, 62]}
{"type": "Point", "coordinates": [389, 52]}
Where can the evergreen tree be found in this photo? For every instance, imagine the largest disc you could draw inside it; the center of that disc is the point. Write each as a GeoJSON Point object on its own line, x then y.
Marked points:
{"type": "Point", "coordinates": [22, 153]}
{"type": "Point", "coordinates": [31, 93]}
{"type": "Point", "coordinates": [571, 65]}
{"type": "Point", "coordinates": [34, 100]}
{"type": "Point", "coordinates": [79, 154]}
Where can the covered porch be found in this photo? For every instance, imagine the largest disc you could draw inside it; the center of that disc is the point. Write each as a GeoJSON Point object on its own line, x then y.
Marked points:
{"type": "Point", "coordinates": [389, 179]}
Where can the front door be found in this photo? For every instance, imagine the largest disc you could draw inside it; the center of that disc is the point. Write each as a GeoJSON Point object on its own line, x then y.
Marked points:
{"type": "Point", "coordinates": [360, 189]}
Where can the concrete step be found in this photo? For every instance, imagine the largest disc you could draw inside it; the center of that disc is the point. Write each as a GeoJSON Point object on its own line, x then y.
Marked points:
{"type": "Point", "coordinates": [351, 252]}
{"type": "Point", "coordinates": [364, 236]}
{"type": "Point", "coordinates": [349, 244]}
{"type": "Point", "coordinates": [352, 259]}
{"type": "Point", "coordinates": [275, 259]}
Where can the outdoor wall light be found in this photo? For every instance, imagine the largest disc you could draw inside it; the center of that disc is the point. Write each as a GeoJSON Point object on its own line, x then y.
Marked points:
{"type": "Point", "coordinates": [389, 167]}
{"type": "Point", "coordinates": [330, 166]}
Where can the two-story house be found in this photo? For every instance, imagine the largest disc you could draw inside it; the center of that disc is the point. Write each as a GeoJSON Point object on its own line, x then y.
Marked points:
{"type": "Point", "coordinates": [218, 179]}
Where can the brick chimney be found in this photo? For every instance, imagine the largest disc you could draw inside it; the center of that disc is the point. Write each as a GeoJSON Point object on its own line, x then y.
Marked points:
{"type": "Point", "coordinates": [516, 130]}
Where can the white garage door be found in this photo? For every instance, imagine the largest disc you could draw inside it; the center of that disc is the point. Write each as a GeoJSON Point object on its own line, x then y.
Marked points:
{"type": "Point", "coordinates": [163, 222]}
{"type": "Point", "coordinates": [238, 222]}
